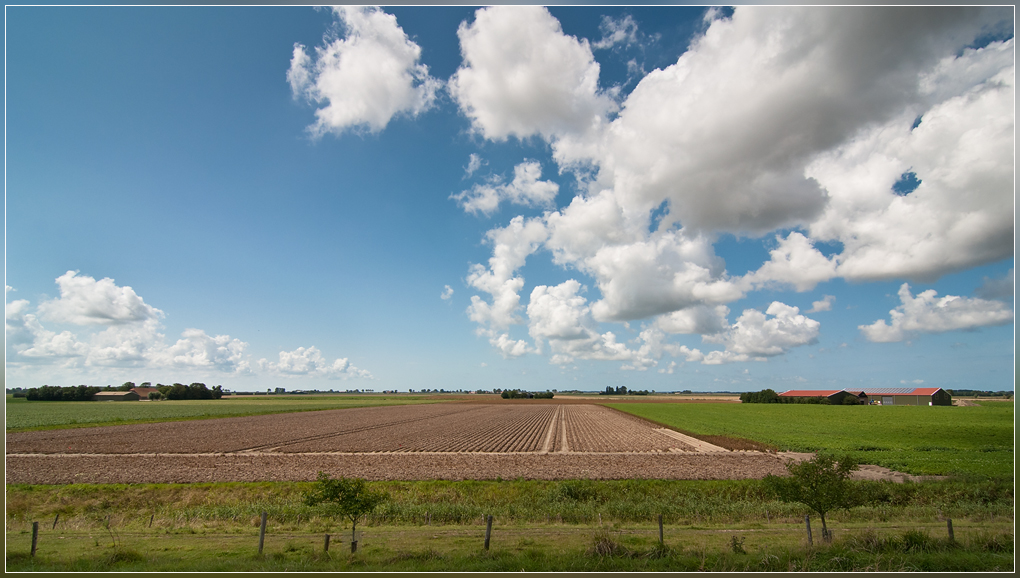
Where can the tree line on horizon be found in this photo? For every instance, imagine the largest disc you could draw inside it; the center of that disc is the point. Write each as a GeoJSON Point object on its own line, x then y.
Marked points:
{"type": "Point", "coordinates": [770, 396]}
{"type": "Point", "coordinates": [85, 392]}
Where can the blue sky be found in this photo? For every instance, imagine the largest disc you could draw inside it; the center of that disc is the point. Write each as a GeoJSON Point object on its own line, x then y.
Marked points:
{"type": "Point", "coordinates": [665, 198]}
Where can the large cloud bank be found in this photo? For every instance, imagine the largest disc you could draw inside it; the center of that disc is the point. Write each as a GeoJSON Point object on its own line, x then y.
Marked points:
{"type": "Point", "coordinates": [795, 123]}
{"type": "Point", "coordinates": [132, 338]}
{"type": "Point", "coordinates": [885, 132]}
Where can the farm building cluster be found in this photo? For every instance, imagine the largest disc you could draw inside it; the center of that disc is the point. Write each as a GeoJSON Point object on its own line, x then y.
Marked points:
{"type": "Point", "coordinates": [878, 396]}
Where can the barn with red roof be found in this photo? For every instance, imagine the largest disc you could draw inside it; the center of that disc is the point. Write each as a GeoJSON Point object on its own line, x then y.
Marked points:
{"type": "Point", "coordinates": [879, 395]}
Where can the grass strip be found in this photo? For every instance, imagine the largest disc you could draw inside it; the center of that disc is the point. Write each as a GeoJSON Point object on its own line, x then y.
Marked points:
{"type": "Point", "coordinates": [781, 547]}
{"type": "Point", "coordinates": [23, 415]}
{"type": "Point", "coordinates": [683, 502]}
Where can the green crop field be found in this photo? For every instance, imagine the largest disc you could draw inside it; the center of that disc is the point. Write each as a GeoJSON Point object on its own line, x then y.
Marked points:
{"type": "Point", "coordinates": [25, 415]}
{"type": "Point", "coordinates": [973, 440]}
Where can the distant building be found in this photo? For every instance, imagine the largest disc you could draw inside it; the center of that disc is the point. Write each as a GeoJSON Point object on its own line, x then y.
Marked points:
{"type": "Point", "coordinates": [116, 396]}
{"type": "Point", "coordinates": [909, 396]}
{"type": "Point", "coordinates": [880, 395]}
{"type": "Point", "coordinates": [143, 392]}
{"type": "Point", "coordinates": [835, 396]}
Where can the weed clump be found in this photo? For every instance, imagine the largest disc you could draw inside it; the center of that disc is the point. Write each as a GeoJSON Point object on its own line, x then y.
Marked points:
{"type": "Point", "coordinates": [737, 545]}
{"type": "Point", "coordinates": [605, 545]}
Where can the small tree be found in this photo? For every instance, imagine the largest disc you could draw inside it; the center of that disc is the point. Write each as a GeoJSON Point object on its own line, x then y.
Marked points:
{"type": "Point", "coordinates": [821, 484]}
{"type": "Point", "coordinates": [347, 498]}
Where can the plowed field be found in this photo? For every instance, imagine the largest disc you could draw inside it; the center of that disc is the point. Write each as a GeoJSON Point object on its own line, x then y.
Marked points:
{"type": "Point", "coordinates": [440, 441]}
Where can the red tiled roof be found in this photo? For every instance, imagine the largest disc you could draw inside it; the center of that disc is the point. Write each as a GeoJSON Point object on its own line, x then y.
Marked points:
{"type": "Point", "coordinates": [810, 392]}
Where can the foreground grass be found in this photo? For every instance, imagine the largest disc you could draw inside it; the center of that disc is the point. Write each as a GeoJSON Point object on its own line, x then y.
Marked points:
{"type": "Point", "coordinates": [226, 505]}
{"type": "Point", "coordinates": [775, 547]}
{"type": "Point", "coordinates": [25, 415]}
{"type": "Point", "coordinates": [973, 441]}
{"type": "Point", "coordinates": [577, 525]}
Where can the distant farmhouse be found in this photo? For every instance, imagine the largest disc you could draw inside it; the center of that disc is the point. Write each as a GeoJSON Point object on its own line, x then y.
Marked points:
{"type": "Point", "coordinates": [116, 396]}
{"type": "Point", "coordinates": [143, 392]}
{"type": "Point", "coordinates": [879, 395]}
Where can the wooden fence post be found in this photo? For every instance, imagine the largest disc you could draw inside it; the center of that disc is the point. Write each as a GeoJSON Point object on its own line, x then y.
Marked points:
{"type": "Point", "coordinates": [807, 521]}
{"type": "Point", "coordinates": [325, 544]}
{"type": "Point", "coordinates": [262, 532]}
{"type": "Point", "coordinates": [660, 530]}
{"type": "Point", "coordinates": [55, 518]}
{"type": "Point", "coordinates": [949, 525]}
{"type": "Point", "coordinates": [35, 536]}
{"type": "Point", "coordinates": [151, 518]}
{"type": "Point", "coordinates": [488, 530]}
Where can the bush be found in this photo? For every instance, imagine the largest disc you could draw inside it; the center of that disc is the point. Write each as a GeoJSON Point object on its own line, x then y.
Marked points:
{"type": "Point", "coordinates": [822, 484]}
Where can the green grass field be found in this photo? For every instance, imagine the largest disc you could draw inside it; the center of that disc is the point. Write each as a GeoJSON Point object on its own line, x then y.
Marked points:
{"type": "Point", "coordinates": [539, 525]}
{"type": "Point", "coordinates": [778, 547]}
{"type": "Point", "coordinates": [25, 415]}
{"type": "Point", "coordinates": [975, 440]}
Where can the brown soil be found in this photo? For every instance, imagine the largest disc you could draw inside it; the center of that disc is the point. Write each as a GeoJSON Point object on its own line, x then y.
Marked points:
{"type": "Point", "coordinates": [453, 441]}
{"type": "Point", "coordinates": [442, 441]}
{"type": "Point", "coordinates": [250, 467]}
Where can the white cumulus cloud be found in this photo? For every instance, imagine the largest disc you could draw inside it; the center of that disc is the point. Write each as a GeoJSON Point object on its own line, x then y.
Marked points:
{"type": "Point", "coordinates": [701, 319]}
{"type": "Point", "coordinates": [617, 31]}
{"type": "Point", "coordinates": [825, 304]}
{"type": "Point", "coordinates": [309, 362]}
{"type": "Point", "coordinates": [961, 213]}
{"type": "Point", "coordinates": [364, 79]}
{"type": "Point", "coordinates": [758, 335]}
{"type": "Point", "coordinates": [197, 349]}
{"type": "Point", "coordinates": [133, 338]}
{"type": "Point", "coordinates": [85, 301]}
{"type": "Point", "coordinates": [791, 122]}
{"type": "Point", "coordinates": [511, 247]}
{"type": "Point", "coordinates": [522, 76]}
{"type": "Point", "coordinates": [725, 133]}
{"type": "Point", "coordinates": [795, 262]}
{"type": "Point", "coordinates": [928, 313]}
{"type": "Point", "coordinates": [525, 189]}
{"type": "Point", "coordinates": [475, 162]}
